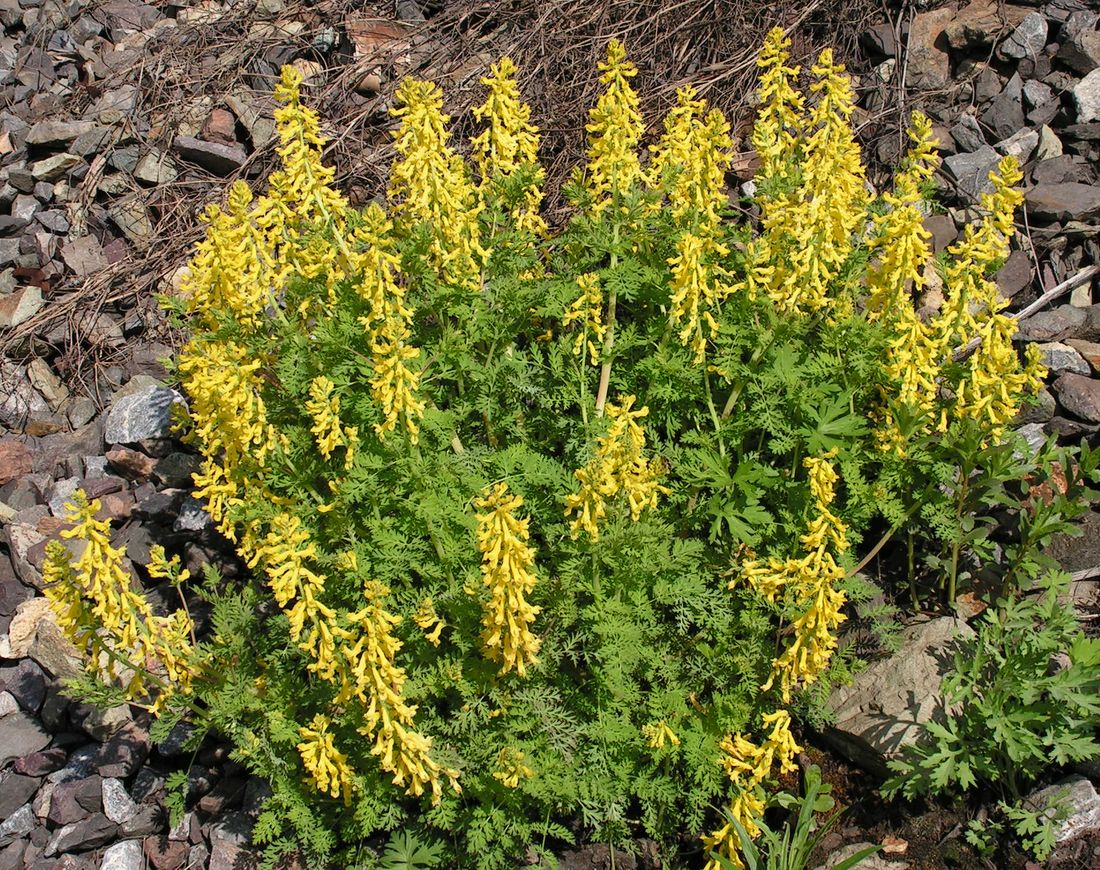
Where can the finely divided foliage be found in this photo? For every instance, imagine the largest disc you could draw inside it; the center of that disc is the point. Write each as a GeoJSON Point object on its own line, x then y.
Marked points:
{"type": "Point", "coordinates": [492, 481]}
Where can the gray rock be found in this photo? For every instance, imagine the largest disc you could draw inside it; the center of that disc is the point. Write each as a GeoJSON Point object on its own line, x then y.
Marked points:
{"type": "Point", "coordinates": [1080, 395]}
{"type": "Point", "coordinates": [125, 750]}
{"type": "Point", "coordinates": [8, 704]}
{"type": "Point", "coordinates": [155, 167]}
{"type": "Point", "coordinates": [1020, 145]}
{"type": "Point", "coordinates": [51, 133]}
{"type": "Point", "coordinates": [1005, 114]}
{"type": "Point", "coordinates": [882, 711]}
{"type": "Point", "coordinates": [20, 735]}
{"type": "Point", "coordinates": [1077, 20]}
{"type": "Point", "coordinates": [61, 494]}
{"type": "Point", "coordinates": [1028, 39]}
{"type": "Point", "coordinates": [218, 159]}
{"type": "Point", "coordinates": [967, 133]}
{"type": "Point", "coordinates": [146, 414]}
{"type": "Point", "coordinates": [1014, 275]}
{"type": "Point", "coordinates": [55, 652]}
{"type": "Point", "coordinates": [1067, 201]}
{"type": "Point", "coordinates": [89, 833]}
{"type": "Point", "coordinates": [232, 827]}
{"type": "Point", "coordinates": [1060, 358]}
{"type": "Point", "coordinates": [25, 207]}
{"type": "Point", "coordinates": [1078, 797]}
{"type": "Point", "coordinates": [81, 765]}
{"type": "Point", "coordinates": [192, 518]}
{"type": "Point", "coordinates": [1082, 53]}
{"type": "Point", "coordinates": [26, 683]}
{"type": "Point", "coordinates": [20, 306]}
{"type": "Point", "coordinates": [15, 790]}
{"type": "Point", "coordinates": [1089, 350]}
{"type": "Point", "coordinates": [225, 855]}
{"type": "Point", "coordinates": [56, 167]}
{"type": "Point", "coordinates": [18, 824]}
{"type": "Point", "coordinates": [1057, 324]}
{"type": "Point", "coordinates": [132, 217]}
{"type": "Point", "coordinates": [1034, 434]}
{"type": "Point", "coordinates": [1049, 146]}
{"type": "Point", "coordinates": [118, 806]}
{"type": "Point", "coordinates": [127, 855]}
{"type": "Point", "coordinates": [971, 172]}
{"type": "Point", "coordinates": [1086, 94]}
{"type": "Point", "coordinates": [146, 821]}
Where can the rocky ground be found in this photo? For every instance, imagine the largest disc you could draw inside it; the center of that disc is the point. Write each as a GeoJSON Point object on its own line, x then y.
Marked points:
{"type": "Point", "coordinates": [120, 119]}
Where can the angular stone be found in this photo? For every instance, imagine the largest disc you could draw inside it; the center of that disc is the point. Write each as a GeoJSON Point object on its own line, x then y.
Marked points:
{"type": "Point", "coordinates": [225, 855]}
{"type": "Point", "coordinates": [73, 801]}
{"type": "Point", "coordinates": [124, 751]}
{"type": "Point", "coordinates": [118, 806]}
{"type": "Point", "coordinates": [56, 167]}
{"type": "Point", "coordinates": [871, 862]}
{"type": "Point", "coordinates": [131, 464]}
{"type": "Point", "coordinates": [1086, 94]}
{"type": "Point", "coordinates": [1005, 114]}
{"type": "Point", "coordinates": [155, 167]}
{"type": "Point", "coordinates": [1014, 275]}
{"type": "Point", "coordinates": [1063, 202]}
{"type": "Point", "coordinates": [20, 735]}
{"type": "Point", "coordinates": [15, 460]}
{"type": "Point", "coordinates": [967, 133]}
{"type": "Point", "coordinates": [1080, 395]}
{"type": "Point", "coordinates": [20, 306]}
{"type": "Point", "coordinates": [971, 172]}
{"type": "Point", "coordinates": [89, 833]}
{"type": "Point", "coordinates": [1028, 39]}
{"type": "Point", "coordinates": [1082, 52]}
{"type": "Point", "coordinates": [41, 763]}
{"type": "Point", "coordinates": [1078, 797]}
{"type": "Point", "coordinates": [18, 824]}
{"type": "Point", "coordinates": [233, 827]}
{"type": "Point", "coordinates": [255, 113]}
{"type": "Point", "coordinates": [51, 133]}
{"type": "Point", "coordinates": [1089, 350]}
{"type": "Point", "coordinates": [165, 854]}
{"type": "Point", "coordinates": [126, 855]}
{"type": "Point", "coordinates": [1019, 145]}
{"type": "Point", "coordinates": [147, 820]}
{"type": "Point", "coordinates": [888, 702]}
{"type": "Point", "coordinates": [15, 790]}
{"type": "Point", "coordinates": [25, 682]}
{"type": "Point", "coordinates": [981, 22]}
{"type": "Point", "coordinates": [218, 159]}
{"type": "Point", "coordinates": [54, 652]}
{"type": "Point", "coordinates": [142, 415]}
{"type": "Point", "coordinates": [84, 256]}
{"type": "Point", "coordinates": [1061, 358]}
{"type": "Point", "coordinates": [132, 217]}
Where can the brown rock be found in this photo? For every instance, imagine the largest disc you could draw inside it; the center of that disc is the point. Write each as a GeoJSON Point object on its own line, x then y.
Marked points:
{"type": "Point", "coordinates": [84, 256]}
{"type": "Point", "coordinates": [15, 460]}
{"type": "Point", "coordinates": [218, 159]}
{"type": "Point", "coordinates": [221, 127]}
{"type": "Point", "coordinates": [165, 854]}
{"type": "Point", "coordinates": [131, 464]}
{"type": "Point", "coordinates": [1063, 202]}
{"type": "Point", "coordinates": [20, 305]}
{"type": "Point", "coordinates": [1090, 350]}
{"type": "Point", "coordinates": [981, 22]}
{"type": "Point", "coordinates": [1014, 275]}
{"type": "Point", "coordinates": [1079, 395]}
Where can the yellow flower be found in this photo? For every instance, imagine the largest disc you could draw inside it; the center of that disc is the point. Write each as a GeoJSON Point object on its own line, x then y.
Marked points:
{"type": "Point", "coordinates": [430, 186]}
{"type": "Point", "coordinates": [511, 769]}
{"type": "Point", "coordinates": [614, 130]}
{"type": "Point", "coordinates": [695, 291]}
{"type": "Point", "coordinates": [588, 311]}
{"type": "Point", "coordinates": [658, 734]}
{"type": "Point", "coordinates": [812, 582]}
{"type": "Point", "coordinates": [324, 407]}
{"type": "Point", "coordinates": [429, 621]}
{"type": "Point", "coordinates": [510, 143]}
{"type": "Point", "coordinates": [327, 767]}
{"type": "Point", "coordinates": [618, 466]}
{"type": "Point", "coordinates": [98, 610]}
{"type": "Point", "coordinates": [394, 383]}
{"type": "Point", "coordinates": [506, 569]}
{"type": "Point", "coordinates": [778, 125]}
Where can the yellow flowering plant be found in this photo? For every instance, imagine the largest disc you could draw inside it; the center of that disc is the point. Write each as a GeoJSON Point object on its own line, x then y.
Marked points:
{"type": "Point", "coordinates": [522, 509]}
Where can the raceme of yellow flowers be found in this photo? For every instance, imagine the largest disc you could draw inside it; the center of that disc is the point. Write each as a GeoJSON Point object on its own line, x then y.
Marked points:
{"type": "Point", "coordinates": [811, 582]}
{"type": "Point", "coordinates": [748, 766]}
{"type": "Point", "coordinates": [588, 311]}
{"type": "Point", "coordinates": [618, 466]}
{"type": "Point", "coordinates": [507, 560]}
{"type": "Point", "coordinates": [112, 625]}
{"type": "Point", "coordinates": [615, 128]}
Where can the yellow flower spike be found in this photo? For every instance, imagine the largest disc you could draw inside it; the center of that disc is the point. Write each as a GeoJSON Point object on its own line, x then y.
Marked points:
{"type": "Point", "coordinates": [509, 143]}
{"type": "Point", "coordinates": [506, 569]}
{"type": "Point", "coordinates": [99, 611]}
{"type": "Point", "coordinates": [323, 406]}
{"type": "Point", "coordinates": [511, 769]}
{"type": "Point", "coordinates": [778, 125]}
{"type": "Point", "coordinates": [394, 383]}
{"type": "Point", "coordinates": [614, 130]}
{"type": "Point", "coordinates": [618, 466]}
{"type": "Point", "coordinates": [430, 186]}
{"type": "Point", "coordinates": [696, 293]}
{"type": "Point", "coordinates": [588, 311]}
{"type": "Point", "coordinates": [901, 241]}
{"type": "Point", "coordinates": [327, 767]}
{"type": "Point", "coordinates": [659, 733]}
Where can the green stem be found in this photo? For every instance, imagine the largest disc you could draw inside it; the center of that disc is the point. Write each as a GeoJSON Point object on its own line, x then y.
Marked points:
{"type": "Point", "coordinates": [956, 544]}
{"type": "Point", "coordinates": [609, 335]}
